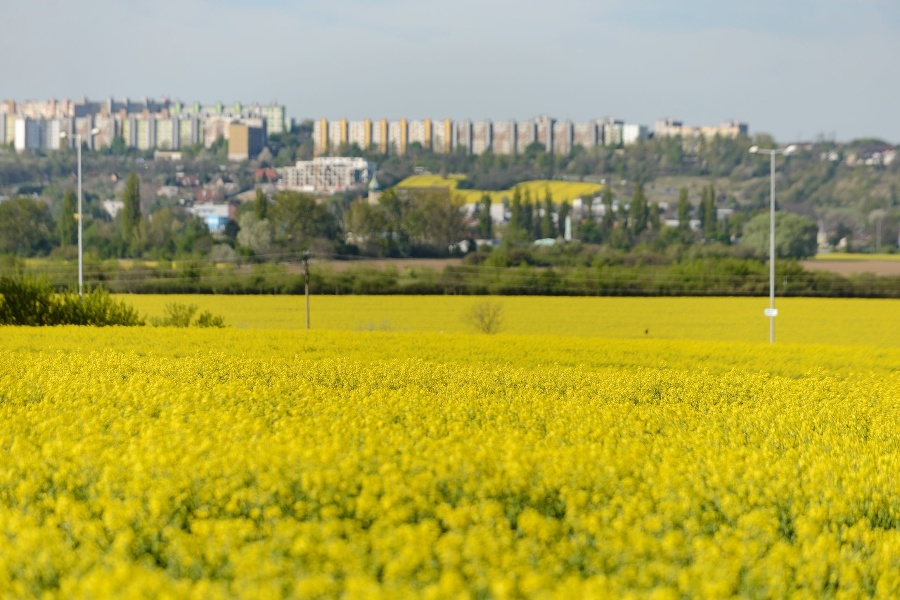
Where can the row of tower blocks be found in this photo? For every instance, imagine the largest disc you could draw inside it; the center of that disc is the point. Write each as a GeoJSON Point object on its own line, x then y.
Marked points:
{"type": "Point", "coordinates": [144, 124]}
{"type": "Point", "coordinates": [471, 137]}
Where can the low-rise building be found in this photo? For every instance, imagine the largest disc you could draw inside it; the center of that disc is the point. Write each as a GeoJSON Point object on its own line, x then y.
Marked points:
{"type": "Point", "coordinates": [326, 174]}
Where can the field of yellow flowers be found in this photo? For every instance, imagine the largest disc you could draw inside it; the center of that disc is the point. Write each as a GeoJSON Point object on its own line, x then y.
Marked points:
{"type": "Point", "coordinates": [266, 463]}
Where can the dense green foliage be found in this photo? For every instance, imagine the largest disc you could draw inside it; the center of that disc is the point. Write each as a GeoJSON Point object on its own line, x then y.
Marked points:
{"type": "Point", "coordinates": [795, 235]}
{"type": "Point", "coordinates": [26, 300]}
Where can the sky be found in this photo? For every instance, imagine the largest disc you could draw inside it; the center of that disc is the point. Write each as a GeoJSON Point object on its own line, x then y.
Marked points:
{"type": "Point", "coordinates": [797, 69]}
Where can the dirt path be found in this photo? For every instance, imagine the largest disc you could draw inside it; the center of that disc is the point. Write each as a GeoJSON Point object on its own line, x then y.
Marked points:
{"type": "Point", "coordinates": [398, 263]}
{"type": "Point", "coordinates": [852, 267]}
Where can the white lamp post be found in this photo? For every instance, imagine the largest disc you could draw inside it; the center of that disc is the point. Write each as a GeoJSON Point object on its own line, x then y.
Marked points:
{"type": "Point", "coordinates": [78, 143]}
{"type": "Point", "coordinates": [771, 312]}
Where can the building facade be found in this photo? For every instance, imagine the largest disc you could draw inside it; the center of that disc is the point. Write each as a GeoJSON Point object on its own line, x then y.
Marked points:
{"type": "Point", "coordinates": [143, 124]}
{"type": "Point", "coordinates": [326, 174]}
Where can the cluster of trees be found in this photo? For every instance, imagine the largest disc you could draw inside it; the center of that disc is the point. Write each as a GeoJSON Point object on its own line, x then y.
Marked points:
{"type": "Point", "coordinates": [405, 222]}
{"type": "Point", "coordinates": [28, 227]}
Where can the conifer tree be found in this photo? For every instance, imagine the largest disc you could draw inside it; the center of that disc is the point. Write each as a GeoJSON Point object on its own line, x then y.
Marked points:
{"type": "Point", "coordinates": [67, 227]}
{"type": "Point", "coordinates": [131, 205]}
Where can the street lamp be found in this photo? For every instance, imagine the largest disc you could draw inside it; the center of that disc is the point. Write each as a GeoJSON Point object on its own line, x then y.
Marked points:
{"type": "Point", "coordinates": [78, 143]}
{"type": "Point", "coordinates": [771, 312]}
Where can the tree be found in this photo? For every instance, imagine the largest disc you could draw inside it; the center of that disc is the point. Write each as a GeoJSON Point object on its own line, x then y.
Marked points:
{"type": "Point", "coordinates": [708, 217]}
{"type": "Point", "coordinates": [26, 227]}
{"type": "Point", "coordinates": [131, 205]}
{"type": "Point", "coordinates": [253, 234]}
{"type": "Point", "coordinates": [795, 235]}
{"type": "Point", "coordinates": [548, 230]}
{"type": "Point", "coordinates": [297, 219]}
{"type": "Point", "coordinates": [562, 214]}
{"type": "Point", "coordinates": [485, 224]}
{"type": "Point", "coordinates": [66, 227]}
{"type": "Point", "coordinates": [655, 218]}
{"type": "Point", "coordinates": [435, 218]}
{"type": "Point", "coordinates": [486, 316]}
{"type": "Point", "coordinates": [608, 217]}
{"type": "Point", "coordinates": [261, 204]}
{"type": "Point", "coordinates": [684, 210]}
{"type": "Point", "coordinates": [639, 212]}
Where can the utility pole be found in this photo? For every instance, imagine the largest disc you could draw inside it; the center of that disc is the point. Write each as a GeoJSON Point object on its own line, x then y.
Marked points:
{"type": "Point", "coordinates": [306, 280]}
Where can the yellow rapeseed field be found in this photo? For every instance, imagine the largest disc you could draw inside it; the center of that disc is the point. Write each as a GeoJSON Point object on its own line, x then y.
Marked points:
{"type": "Point", "coordinates": [561, 191]}
{"type": "Point", "coordinates": [268, 462]}
{"type": "Point", "coordinates": [800, 320]}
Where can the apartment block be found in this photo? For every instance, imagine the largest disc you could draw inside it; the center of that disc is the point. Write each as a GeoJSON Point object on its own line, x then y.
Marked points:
{"type": "Point", "coordinates": [245, 140]}
{"type": "Point", "coordinates": [145, 124]}
{"type": "Point", "coordinates": [562, 137]}
{"type": "Point", "coordinates": [482, 134]}
{"type": "Point", "coordinates": [327, 174]}
{"type": "Point", "coordinates": [360, 133]}
{"type": "Point", "coordinates": [503, 138]}
{"type": "Point", "coordinates": [526, 134]}
{"type": "Point", "coordinates": [398, 136]}
{"type": "Point", "coordinates": [443, 136]}
{"type": "Point", "coordinates": [28, 134]}
{"type": "Point", "coordinates": [421, 132]}
{"type": "Point", "coordinates": [586, 135]}
{"type": "Point", "coordinates": [669, 127]}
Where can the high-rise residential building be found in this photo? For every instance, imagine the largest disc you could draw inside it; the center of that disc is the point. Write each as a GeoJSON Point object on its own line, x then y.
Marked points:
{"type": "Point", "coordinates": [669, 127]}
{"type": "Point", "coordinates": [28, 134]}
{"type": "Point", "coordinates": [545, 132]}
{"type": "Point", "coordinates": [482, 135]}
{"type": "Point", "coordinates": [585, 134]}
{"type": "Point", "coordinates": [443, 135]}
{"type": "Point", "coordinates": [504, 137]}
{"type": "Point", "coordinates": [421, 132]}
{"type": "Point", "coordinates": [562, 137]}
{"type": "Point", "coordinates": [632, 133]}
{"type": "Point", "coordinates": [398, 136]}
{"type": "Point", "coordinates": [246, 140]}
{"type": "Point", "coordinates": [526, 135]}
{"type": "Point", "coordinates": [360, 133]}
{"type": "Point", "coordinates": [144, 123]}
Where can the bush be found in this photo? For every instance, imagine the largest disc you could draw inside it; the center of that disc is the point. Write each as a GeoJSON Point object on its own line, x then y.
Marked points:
{"type": "Point", "coordinates": [175, 315]}
{"type": "Point", "coordinates": [182, 315]}
{"type": "Point", "coordinates": [486, 316]}
{"type": "Point", "coordinates": [31, 301]}
{"type": "Point", "coordinates": [207, 319]}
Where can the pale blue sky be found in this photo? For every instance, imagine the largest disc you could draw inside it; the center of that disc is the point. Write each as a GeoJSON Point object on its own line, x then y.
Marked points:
{"type": "Point", "coordinates": [795, 68]}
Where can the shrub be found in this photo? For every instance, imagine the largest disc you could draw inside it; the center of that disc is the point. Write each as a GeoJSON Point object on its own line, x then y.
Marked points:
{"type": "Point", "coordinates": [27, 300]}
{"type": "Point", "coordinates": [486, 316]}
{"type": "Point", "coordinates": [207, 319]}
{"type": "Point", "coordinates": [175, 315]}
{"type": "Point", "coordinates": [182, 315]}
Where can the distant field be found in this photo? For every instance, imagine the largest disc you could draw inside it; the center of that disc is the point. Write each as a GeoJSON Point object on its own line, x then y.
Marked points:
{"type": "Point", "coordinates": [843, 257]}
{"type": "Point", "coordinates": [852, 264]}
{"type": "Point", "coordinates": [800, 320]}
{"type": "Point", "coordinates": [560, 190]}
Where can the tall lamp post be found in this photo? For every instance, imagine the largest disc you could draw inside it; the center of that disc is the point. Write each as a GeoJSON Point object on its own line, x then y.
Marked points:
{"type": "Point", "coordinates": [771, 312]}
{"type": "Point", "coordinates": [78, 143]}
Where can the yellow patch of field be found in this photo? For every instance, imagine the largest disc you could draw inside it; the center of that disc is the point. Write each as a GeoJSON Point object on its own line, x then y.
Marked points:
{"type": "Point", "coordinates": [150, 463]}
{"type": "Point", "coordinates": [561, 191]}
{"type": "Point", "coordinates": [800, 320]}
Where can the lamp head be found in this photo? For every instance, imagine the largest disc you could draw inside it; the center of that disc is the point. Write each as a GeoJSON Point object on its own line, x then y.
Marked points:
{"type": "Point", "coordinates": [754, 149]}
{"type": "Point", "coordinates": [790, 149]}
{"type": "Point", "coordinates": [95, 131]}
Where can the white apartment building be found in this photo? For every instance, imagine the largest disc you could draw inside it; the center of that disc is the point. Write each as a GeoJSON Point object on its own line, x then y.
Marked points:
{"type": "Point", "coordinates": [326, 174]}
